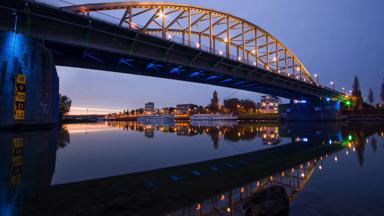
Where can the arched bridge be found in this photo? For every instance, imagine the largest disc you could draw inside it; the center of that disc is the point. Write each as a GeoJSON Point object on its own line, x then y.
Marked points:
{"type": "Point", "coordinates": [167, 40]}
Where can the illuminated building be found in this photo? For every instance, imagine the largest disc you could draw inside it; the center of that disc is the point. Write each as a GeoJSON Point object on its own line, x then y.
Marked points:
{"type": "Point", "coordinates": [186, 108]}
{"type": "Point", "coordinates": [149, 107]}
{"type": "Point", "coordinates": [269, 104]}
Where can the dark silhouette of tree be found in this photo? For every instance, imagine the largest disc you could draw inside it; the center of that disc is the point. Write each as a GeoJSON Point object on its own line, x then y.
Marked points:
{"type": "Point", "coordinates": [231, 104]}
{"type": "Point", "coordinates": [356, 85]}
{"type": "Point", "coordinates": [248, 104]}
{"type": "Point", "coordinates": [371, 98]}
{"type": "Point", "coordinates": [64, 137]}
{"type": "Point", "coordinates": [360, 146]}
{"type": "Point", "coordinates": [382, 91]}
{"type": "Point", "coordinates": [356, 94]}
{"type": "Point", "coordinates": [65, 104]}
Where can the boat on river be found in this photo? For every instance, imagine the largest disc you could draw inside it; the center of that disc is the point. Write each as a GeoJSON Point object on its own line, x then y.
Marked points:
{"type": "Point", "coordinates": [213, 117]}
{"type": "Point", "coordinates": [156, 119]}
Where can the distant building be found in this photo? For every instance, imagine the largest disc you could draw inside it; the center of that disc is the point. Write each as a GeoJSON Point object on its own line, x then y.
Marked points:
{"type": "Point", "coordinates": [150, 107]}
{"type": "Point", "coordinates": [215, 103]}
{"type": "Point", "coordinates": [186, 108]}
{"type": "Point", "coordinates": [269, 104]}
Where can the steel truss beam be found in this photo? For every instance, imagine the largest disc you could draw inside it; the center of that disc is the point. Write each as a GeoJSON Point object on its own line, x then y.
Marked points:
{"type": "Point", "coordinates": [243, 40]}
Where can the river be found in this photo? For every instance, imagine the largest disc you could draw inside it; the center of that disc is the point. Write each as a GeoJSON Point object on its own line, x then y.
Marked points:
{"type": "Point", "coordinates": [327, 168]}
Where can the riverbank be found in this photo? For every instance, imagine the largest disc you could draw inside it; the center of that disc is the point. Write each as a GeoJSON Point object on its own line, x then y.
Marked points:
{"type": "Point", "coordinates": [362, 115]}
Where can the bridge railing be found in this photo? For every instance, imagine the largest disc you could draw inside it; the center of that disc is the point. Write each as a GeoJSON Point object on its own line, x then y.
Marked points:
{"type": "Point", "coordinates": [104, 17]}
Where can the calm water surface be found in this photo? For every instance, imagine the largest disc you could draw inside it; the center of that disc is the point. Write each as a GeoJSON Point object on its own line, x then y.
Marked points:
{"type": "Point", "coordinates": [326, 168]}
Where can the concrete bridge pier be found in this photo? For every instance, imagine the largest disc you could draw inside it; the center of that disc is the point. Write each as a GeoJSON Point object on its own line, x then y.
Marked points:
{"type": "Point", "coordinates": [327, 110]}
{"type": "Point", "coordinates": [29, 84]}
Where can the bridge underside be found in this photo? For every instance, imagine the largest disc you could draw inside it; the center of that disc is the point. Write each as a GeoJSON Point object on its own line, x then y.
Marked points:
{"type": "Point", "coordinates": [73, 56]}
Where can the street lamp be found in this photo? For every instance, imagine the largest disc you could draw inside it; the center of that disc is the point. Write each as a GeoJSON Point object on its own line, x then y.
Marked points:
{"type": "Point", "coordinates": [161, 14]}
{"type": "Point", "coordinates": [317, 78]}
{"type": "Point", "coordinates": [332, 84]}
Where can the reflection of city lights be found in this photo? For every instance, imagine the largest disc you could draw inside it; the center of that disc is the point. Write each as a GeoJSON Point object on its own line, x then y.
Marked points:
{"type": "Point", "coordinates": [292, 170]}
{"type": "Point", "coordinates": [257, 184]}
{"type": "Point", "coordinates": [353, 149]}
{"type": "Point", "coordinates": [242, 190]}
{"type": "Point", "coordinates": [350, 137]}
{"type": "Point", "coordinates": [302, 175]}
{"type": "Point", "coordinates": [347, 153]}
{"type": "Point", "coordinates": [222, 197]}
{"type": "Point", "coordinates": [336, 159]}
{"type": "Point", "coordinates": [198, 206]}
{"type": "Point", "coordinates": [228, 209]}
{"type": "Point", "coordinates": [320, 167]}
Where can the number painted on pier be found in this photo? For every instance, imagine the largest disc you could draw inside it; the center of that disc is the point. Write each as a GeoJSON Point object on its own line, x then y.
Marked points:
{"type": "Point", "coordinates": [16, 161]}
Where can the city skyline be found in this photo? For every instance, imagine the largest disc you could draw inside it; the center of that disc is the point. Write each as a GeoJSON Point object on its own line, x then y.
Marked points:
{"type": "Point", "coordinates": [322, 31]}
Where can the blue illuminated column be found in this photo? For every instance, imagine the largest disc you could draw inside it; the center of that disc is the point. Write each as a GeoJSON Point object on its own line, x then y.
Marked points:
{"type": "Point", "coordinates": [29, 84]}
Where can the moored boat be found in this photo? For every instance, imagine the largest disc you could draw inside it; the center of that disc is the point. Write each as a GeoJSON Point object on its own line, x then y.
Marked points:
{"type": "Point", "coordinates": [213, 117]}
{"type": "Point", "coordinates": [156, 119]}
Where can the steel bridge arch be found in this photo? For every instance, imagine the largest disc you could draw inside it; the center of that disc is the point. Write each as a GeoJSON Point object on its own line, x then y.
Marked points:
{"type": "Point", "coordinates": [223, 33]}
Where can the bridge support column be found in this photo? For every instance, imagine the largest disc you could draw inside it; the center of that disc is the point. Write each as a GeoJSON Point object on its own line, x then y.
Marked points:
{"type": "Point", "coordinates": [310, 111]}
{"type": "Point", "coordinates": [29, 84]}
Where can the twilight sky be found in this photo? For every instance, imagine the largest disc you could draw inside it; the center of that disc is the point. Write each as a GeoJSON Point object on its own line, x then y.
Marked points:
{"type": "Point", "coordinates": [336, 39]}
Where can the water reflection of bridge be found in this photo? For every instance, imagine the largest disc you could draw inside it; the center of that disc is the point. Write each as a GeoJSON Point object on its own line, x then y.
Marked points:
{"type": "Point", "coordinates": [200, 188]}
{"type": "Point", "coordinates": [232, 201]}
{"type": "Point", "coordinates": [161, 191]}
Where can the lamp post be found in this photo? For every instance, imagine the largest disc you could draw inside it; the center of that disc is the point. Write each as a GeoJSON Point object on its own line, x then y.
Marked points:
{"type": "Point", "coordinates": [332, 84]}
{"type": "Point", "coordinates": [317, 78]}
